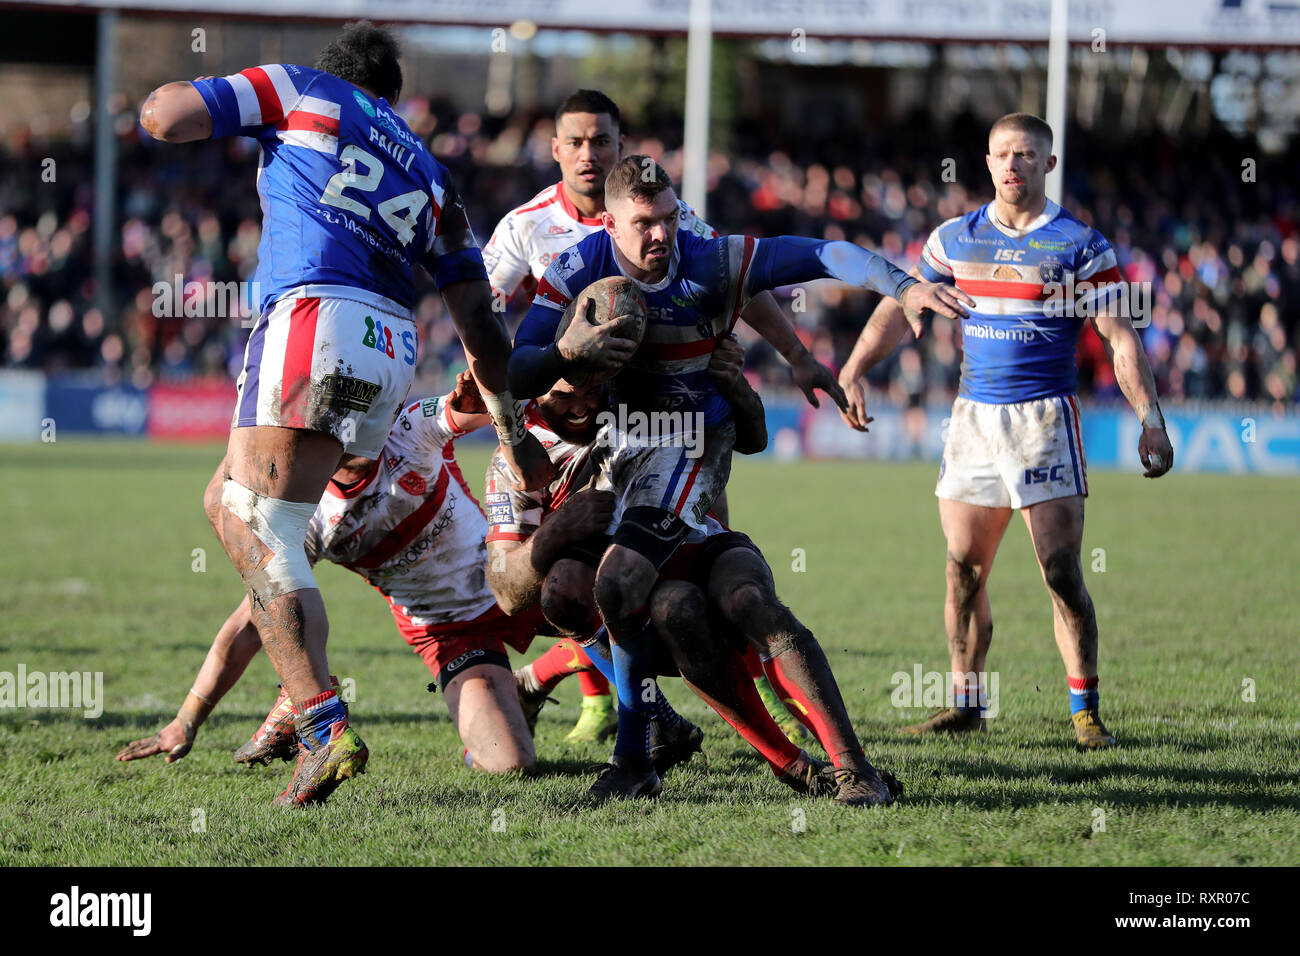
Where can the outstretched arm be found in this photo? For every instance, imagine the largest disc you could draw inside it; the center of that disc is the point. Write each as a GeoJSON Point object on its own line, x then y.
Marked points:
{"type": "Point", "coordinates": [1133, 375]}
{"type": "Point", "coordinates": [768, 319]}
{"type": "Point", "coordinates": [235, 645]}
{"type": "Point", "coordinates": [879, 337]}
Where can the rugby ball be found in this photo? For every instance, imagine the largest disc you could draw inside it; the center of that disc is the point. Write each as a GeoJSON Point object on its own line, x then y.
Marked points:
{"type": "Point", "coordinates": [606, 300]}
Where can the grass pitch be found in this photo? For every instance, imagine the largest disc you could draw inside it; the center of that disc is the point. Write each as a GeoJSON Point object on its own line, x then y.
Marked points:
{"type": "Point", "coordinates": [1196, 607]}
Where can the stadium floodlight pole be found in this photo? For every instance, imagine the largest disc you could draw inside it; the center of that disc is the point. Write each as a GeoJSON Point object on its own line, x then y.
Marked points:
{"type": "Point", "coordinates": [105, 162]}
{"type": "Point", "coordinates": [1058, 76]}
{"type": "Point", "coordinates": [695, 147]}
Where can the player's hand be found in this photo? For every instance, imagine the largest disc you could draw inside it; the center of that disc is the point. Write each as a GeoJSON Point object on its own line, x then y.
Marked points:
{"type": "Point", "coordinates": [1155, 451]}
{"type": "Point", "coordinates": [933, 297]}
{"type": "Point", "coordinates": [854, 411]}
{"type": "Point", "coordinates": [585, 514]}
{"type": "Point", "coordinates": [727, 362]}
{"type": "Point", "coordinates": [596, 348]}
{"type": "Point", "coordinates": [529, 463]}
{"type": "Point", "coordinates": [466, 398]}
{"type": "Point", "coordinates": [174, 740]}
{"type": "Point", "coordinates": [810, 374]}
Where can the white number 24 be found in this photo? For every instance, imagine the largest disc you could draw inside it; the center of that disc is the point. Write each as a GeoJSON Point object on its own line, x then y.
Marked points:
{"type": "Point", "coordinates": [408, 204]}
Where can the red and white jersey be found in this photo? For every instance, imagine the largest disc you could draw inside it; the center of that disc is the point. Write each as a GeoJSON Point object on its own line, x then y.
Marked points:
{"type": "Point", "coordinates": [530, 236]}
{"type": "Point", "coordinates": [514, 515]}
{"type": "Point", "coordinates": [412, 528]}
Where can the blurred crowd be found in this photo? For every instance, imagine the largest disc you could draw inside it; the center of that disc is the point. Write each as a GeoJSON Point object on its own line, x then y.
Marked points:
{"type": "Point", "coordinates": [1210, 228]}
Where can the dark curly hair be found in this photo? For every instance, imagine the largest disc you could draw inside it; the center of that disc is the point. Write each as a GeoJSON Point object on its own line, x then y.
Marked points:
{"type": "Point", "coordinates": [365, 55]}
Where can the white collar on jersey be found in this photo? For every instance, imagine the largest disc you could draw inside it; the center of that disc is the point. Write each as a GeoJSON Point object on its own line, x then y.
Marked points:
{"type": "Point", "coordinates": [1047, 215]}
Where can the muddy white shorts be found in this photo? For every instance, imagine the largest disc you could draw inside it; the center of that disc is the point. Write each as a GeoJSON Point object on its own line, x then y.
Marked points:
{"type": "Point", "coordinates": [329, 364]}
{"type": "Point", "coordinates": [1013, 455]}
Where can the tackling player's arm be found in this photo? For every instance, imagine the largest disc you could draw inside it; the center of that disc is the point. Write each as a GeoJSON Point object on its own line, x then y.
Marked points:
{"type": "Point", "coordinates": [1133, 375]}
{"type": "Point", "coordinates": [767, 318]}
{"type": "Point", "coordinates": [879, 337]}
{"type": "Point", "coordinates": [236, 643]}
{"type": "Point", "coordinates": [727, 366]}
{"type": "Point", "coordinates": [516, 570]}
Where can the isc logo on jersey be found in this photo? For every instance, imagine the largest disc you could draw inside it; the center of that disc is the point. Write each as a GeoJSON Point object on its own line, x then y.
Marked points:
{"type": "Point", "coordinates": [1038, 476]}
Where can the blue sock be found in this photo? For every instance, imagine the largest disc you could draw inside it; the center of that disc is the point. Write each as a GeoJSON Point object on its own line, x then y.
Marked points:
{"type": "Point", "coordinates": [634, 713]}
{"type": "Point", "coordinates": [316, 721]}
{"type": "Point", "coordinates": [598, 650]}
{"type": "Point", "coordinates": [1083, 694]}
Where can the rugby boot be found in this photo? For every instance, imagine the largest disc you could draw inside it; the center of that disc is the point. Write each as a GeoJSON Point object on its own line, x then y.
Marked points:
{"type": "Point", "coordinates": [624, 780]}
{"type": "Point", "coordinates": [597, 723]}
{"type": "Point", "coordinates": [794, 731]}
{"type": "Point", "coordinates": [673, 742]}
{"type": "Point", "coordinates": [950, 720]}
{"type": "Point", "coordinates": [531, 702]}
{"type": "Point", "coordinates": [320, 771]}
{"type": "Point", "coordinates": [809, 776]}
{"type": "Point", "coordinates": [871, 788]}
{"type": "Point", "coordinates": [276, 739]}
{"type": "Point", "coordinates": [1089, 731]}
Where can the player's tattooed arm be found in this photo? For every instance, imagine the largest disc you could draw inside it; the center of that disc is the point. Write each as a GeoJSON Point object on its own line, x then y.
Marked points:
{"type": "Point", "coordinates": [176, 113]}
{"type": "Point", "coordinates": [879, 337]}
{"type": "Point", "coordinates": [727, 367]}
{"type": "Point", "coordinates": [235, 645]}
{"type": "Point", "coordinates": [767, 318]}
{"type": "Point", "coordinates": [1133, 375]}
{"type": "Point", "coordinates": [516, 570]}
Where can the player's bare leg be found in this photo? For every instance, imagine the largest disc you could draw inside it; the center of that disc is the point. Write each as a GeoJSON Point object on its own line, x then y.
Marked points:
{"type": "Point", "coordinates": [1056, 529]}
{"type": "Point", "coordinates": [741, 587]}
{"type": "Point", "coordinates": [567, 601]}
{"type": "Point", "coordinates": [973, 533]}
{"type": "Point", "coordinates": [485, 709]}
{"type": "Point", "coordinates": [717, 673]}
{"type": "Point", "coordinates": [275, 477]}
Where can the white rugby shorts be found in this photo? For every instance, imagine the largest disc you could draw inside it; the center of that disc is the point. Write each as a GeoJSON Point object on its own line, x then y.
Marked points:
{"type": "Point", "coordinates": [342, 366]}
{"type": "Point", "coordinates": [1013, 455]}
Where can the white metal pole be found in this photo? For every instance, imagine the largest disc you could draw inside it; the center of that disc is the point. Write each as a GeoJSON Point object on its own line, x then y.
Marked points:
{"type": "Point", "coordinates": [695, 146]}
{"type": "Point", "coordinates": [105, 214]}
{"type": "Point", "coordinates": [1058, 75]}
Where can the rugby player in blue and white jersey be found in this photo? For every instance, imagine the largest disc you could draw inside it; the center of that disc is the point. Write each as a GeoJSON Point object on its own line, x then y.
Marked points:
{"type": "Point", "coordinates": [695, 290]}
{"type": "Point", "coordinates": [352, 201]}
{"type": "Point", "coordinates": [1014, 441]}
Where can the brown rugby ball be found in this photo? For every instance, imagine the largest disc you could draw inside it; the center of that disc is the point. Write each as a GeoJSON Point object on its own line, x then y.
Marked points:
{"type": "Point", "coordinates": [606, 300]}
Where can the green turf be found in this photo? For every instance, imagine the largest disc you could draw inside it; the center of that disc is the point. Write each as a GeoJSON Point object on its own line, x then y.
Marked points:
{"type": "Point", "coordinates": [1198, 595]}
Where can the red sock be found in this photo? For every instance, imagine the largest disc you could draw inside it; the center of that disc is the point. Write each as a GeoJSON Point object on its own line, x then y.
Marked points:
{"type": "Point", "coordinates": [593, 683]}
{"type": "Point", "coordinates": [751, 720]}
{"type": "Point", "coordinates": [753, 662]}
{"type": "Point", "coordinates": [812, 714]}
{"type": "Point", "coordinates": [565, 658]}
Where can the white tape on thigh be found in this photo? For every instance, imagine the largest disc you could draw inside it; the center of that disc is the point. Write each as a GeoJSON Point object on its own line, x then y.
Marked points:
{"type": "Point", "coordinates": [282, 527]}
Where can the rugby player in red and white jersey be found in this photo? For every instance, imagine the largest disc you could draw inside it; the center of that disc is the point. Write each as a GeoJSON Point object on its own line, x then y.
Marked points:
{"type": "Point", "coordinates": [1014, 441]}
{"type": "Point", "coordinates": [409, 525]}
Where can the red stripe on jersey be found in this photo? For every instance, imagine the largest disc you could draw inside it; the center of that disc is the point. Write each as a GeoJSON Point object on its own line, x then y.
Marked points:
{"type": "Point", "coordinates": [268, 101]}
{"type": "Point", "coordinates": [295, 376]}
{"type": "Point", "coordinates": [667, 351]}
{"type": "Point", "coordinates": [311, 122]}
{"type": "Point", "coordinates": [572, 210]}
{"type": "Point", "coordinates": [1001, 289]}
{"type": "Point", "coordinates": [740, 285]}
{"type": "Point", "coordinates": [550, 201]}
{"type": "Point", "coordinates": [1105, 276]}
{"type": "Point", "coordinates": [449, 458]}
{"type": "Point", "coordinates": [505, 536]}
{"type": "Point", "coordinates": [695, 470]}
{"type": "Point", "coordinates": [1078, 443]}
{"type": "Point", "coordinates": [408, 529]}
{"type": "Point", "coordinates": [551, 294]}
